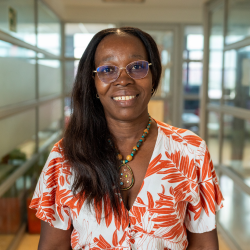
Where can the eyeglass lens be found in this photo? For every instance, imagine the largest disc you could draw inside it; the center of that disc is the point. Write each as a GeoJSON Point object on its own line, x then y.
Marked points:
{"type": "Point", "coordinates": [109, 73]}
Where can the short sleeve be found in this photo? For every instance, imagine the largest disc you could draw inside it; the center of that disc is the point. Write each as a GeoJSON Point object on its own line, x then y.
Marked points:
{"type": "Point", "coordinates": [50, 190]}
{"type": "Point", "coordinates": [207, 197]}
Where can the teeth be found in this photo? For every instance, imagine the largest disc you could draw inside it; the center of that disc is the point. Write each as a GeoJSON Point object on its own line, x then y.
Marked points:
{"type": "Point", "coordinates": [123, 98]}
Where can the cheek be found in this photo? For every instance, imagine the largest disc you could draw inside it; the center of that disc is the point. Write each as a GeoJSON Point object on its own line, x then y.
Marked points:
{"type": "Point", "coordinates": [101, 87]}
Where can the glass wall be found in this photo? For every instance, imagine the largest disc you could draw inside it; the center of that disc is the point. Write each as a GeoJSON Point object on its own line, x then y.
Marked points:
{"type": "Point", "coordinates": [15, 63]}
{"type": "Point", "coordinates": [31, 106]}
{"type": "Point", "coordinates": [49, 30]}
{"type": "Point", "coordinates": [160, 105]}
{"type": "Point", "coordinates": [17, 18]}
{"type": "Point", "coordinates": [238, 26]}
{"type": "Point", "coordinates": [228, 118]}
{"type": "Point", "coordinates": [216, 41]}
{"type": "Point", "coordinates": [192, 76]}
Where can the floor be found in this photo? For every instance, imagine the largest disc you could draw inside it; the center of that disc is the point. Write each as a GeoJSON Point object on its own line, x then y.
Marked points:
{"type": "Point", "coordinates": [30, 242]}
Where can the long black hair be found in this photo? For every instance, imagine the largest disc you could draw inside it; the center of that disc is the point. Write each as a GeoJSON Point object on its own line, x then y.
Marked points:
{"type": "Point", "coordinates": [85, 143]}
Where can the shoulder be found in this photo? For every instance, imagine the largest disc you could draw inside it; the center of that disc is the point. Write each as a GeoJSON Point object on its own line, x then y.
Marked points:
{"type": "Point", "coordinates": [181, 137]}
{"type": "Point", "coordinates": [56, 166]}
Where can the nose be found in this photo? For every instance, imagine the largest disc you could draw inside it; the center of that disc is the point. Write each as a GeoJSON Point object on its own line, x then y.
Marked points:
{"type": "Point", "coordinates": [124, 79]}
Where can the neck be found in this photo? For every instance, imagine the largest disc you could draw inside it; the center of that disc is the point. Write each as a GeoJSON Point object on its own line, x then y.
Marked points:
{"type": "Point", "coordinates": [129, 130]}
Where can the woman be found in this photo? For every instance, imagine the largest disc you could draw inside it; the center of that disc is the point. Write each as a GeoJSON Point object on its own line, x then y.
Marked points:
{"type": "Point", "coordinates": [119, 179]}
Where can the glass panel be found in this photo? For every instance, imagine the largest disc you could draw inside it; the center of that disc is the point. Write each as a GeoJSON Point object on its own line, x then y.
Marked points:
{"type": "Point", "coordinates": [164, 41]}
{"type": "Point", "coordinates": [237, 78]}
{"type": "Point", "coordinates": [12, 212]}
{"type": "Point", "coordinates": [216, 55]}
{"type": "Point", "coordinates": [236, 146]}
{"type": "Point", "coordinates": [49, 77]}
{"type": "Point", "coordinates": [234, 217]}
{"type": "Point", "coordinates": [16, 130]}
{"type": "Point", "coordinates": [25, 19]}
{"type": "Point", "coordinates": [238, 26]}
{"type": "Point", "coordinates": [192, 77]}
{"type": "Point", "coordinates": [17, 157]}
{"type": "Point", "coordinates": [70, 73]}
{"type": "Point", "coordinates": [15, 62]}
{"type": "Point", "coordinates": [213, 131]}
{"type": "Point", "coordinates": [49, 30]}
{"type": "Point", "coordinates": [50, 115]}
{"type": "Point", "coordinates": [190, 116]}
{"type": "Point", "coordinates": [78, 36]}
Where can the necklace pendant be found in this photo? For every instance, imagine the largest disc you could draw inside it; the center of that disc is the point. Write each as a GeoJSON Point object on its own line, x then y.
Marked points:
{"type": "Point", "coordinates": [126, 179]}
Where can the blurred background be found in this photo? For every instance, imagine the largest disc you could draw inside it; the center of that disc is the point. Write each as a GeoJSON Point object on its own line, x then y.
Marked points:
{"type": "Point", "coordinates": [205, 87]}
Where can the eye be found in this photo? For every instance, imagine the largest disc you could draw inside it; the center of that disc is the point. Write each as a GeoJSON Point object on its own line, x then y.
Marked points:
{"type": "Point", "coordinates": [138, 66]}
{"type": "Point", "coordinates": [107, 70]}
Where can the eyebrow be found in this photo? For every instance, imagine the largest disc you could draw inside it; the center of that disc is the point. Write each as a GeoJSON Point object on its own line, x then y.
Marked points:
{"type": "Point", "coordinates": [137, 56]}
{"type": "Point", "coordinates": [108, 58]}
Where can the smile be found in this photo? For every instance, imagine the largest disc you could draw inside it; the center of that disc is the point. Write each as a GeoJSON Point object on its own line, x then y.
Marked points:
{"type": "Point", "coordinates": [124, 98]}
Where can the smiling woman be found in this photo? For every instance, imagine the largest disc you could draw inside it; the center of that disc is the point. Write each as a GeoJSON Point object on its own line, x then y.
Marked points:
{"type": "Point", "coordinates": [120, 179]}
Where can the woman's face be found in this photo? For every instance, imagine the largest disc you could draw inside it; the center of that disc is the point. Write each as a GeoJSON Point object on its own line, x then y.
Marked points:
{"type": "Point", "coordinates": [120, 50]}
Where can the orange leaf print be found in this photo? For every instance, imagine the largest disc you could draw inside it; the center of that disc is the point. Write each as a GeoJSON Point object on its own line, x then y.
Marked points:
{"type": "Point", "coordinates": [108, 211]}
{"type": "Point", "coordinates": [193, 140]}
{"type": "Point", "coordinates": [115, 239]}
{"type": "Point", "coordinates": [101, 242]}
{"type": "Point", "coordinates": [61, 180]}
{"type": "Point", "coordinates": [150, 200]}
{"type": "Point", "coordinates": [74, 239]}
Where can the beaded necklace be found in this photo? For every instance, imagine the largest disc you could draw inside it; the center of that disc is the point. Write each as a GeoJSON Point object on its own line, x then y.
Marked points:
{"type": "Point", "coordinates": [125, 172]}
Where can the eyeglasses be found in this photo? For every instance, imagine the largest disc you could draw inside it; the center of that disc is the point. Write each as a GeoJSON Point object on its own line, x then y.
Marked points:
{"type": "Point", "coordinates": [110, 73]}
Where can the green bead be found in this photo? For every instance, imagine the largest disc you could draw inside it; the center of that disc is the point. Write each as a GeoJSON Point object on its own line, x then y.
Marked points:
{"type": "Point", "coordinates": [132, 154]}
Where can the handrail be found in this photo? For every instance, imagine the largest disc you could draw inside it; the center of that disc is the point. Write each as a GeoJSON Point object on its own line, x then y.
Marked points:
{"type": "Point", "coordinates": [18, 42]}
{"type": "Point", "coordinates": [23, 168]}
{"type": "Point", "coordinates": [23, 106]}
{"type": "Point", "coordinates": [236, 179]}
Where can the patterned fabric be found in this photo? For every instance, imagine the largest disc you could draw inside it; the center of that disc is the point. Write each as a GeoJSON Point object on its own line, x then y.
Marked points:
{"type": "Point", "coordinates": [180, 190]}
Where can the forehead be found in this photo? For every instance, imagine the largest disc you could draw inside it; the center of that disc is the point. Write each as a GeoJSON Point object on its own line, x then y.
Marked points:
{"type": "Point", "coordinates": [120, 47]}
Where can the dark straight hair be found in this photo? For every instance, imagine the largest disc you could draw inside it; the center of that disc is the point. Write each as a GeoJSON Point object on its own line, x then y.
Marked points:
{"type": "Point", "coordinates": [85, 144]}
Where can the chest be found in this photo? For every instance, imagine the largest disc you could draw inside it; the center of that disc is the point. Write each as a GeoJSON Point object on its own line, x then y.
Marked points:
{"type": "Point", "coordinates": [139, 166]}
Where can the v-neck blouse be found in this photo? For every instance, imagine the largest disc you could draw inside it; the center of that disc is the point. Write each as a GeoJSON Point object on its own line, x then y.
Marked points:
{"type": "Point", "coordinates": [180, 191]}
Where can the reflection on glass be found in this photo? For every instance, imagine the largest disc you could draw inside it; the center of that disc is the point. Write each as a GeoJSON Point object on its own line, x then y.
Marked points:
{"type": "Point", "coordinates": [25, 25]}
{"type": "Point", "coordinates": [15, 158]}
{"type": "Point", "coordinates": [49, 30]}
{"type": "Point", "coordinates": [213, 130]}
{"type": "Point", "coordinates": [192, 55]}
{"type": "Point", "coordinates": [20, 61]}
{"type": "Point", "coordinates": [70, 73]}
{"type": "Point", "coordinates": [216, 55]}
{"type": "Point", "coordinates": [49, 77]}
{"type": "Point", "coordinates": [78, 36]}
{"type": "Point", "coordinates": [234, 217]}
{"type": "Point", "coordinates": [192, 77]}
{"type": "Point", "coordinates": [164, 41]}
{"type": "Point", "coordinates": [190, 116]}
{"type": "Point", "coordinates": [238, 26]}
{"type": "Point", "coordinates": [236, 146]}
{"type": "Point", "coordinates": [237, 78]}
{"type": "Point", "coordinates": [50, 120]}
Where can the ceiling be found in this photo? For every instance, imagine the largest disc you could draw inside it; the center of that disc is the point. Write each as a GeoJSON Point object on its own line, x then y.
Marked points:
{"type": "Point", "coordinates": [150, 11]}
